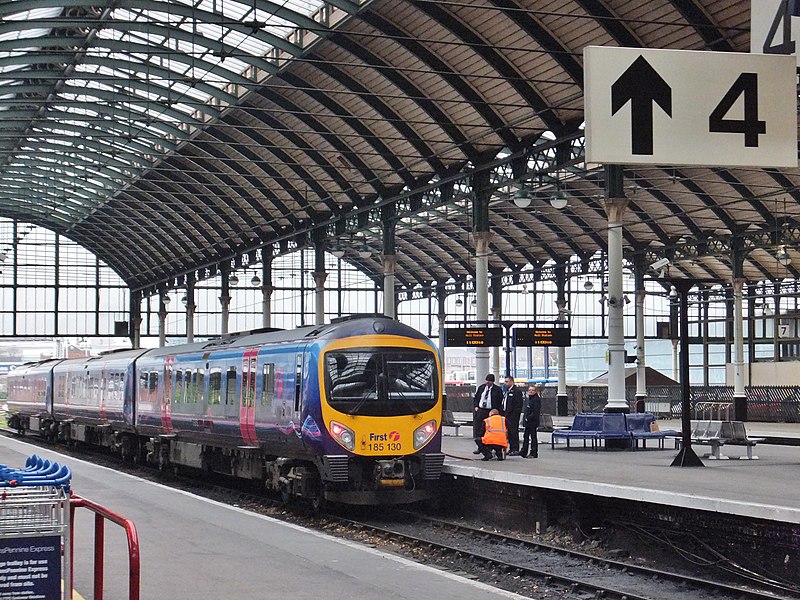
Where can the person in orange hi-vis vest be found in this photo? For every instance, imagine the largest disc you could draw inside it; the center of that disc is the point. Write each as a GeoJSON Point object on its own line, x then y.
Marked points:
{"type": "Point", "coordinates": [496, 436]}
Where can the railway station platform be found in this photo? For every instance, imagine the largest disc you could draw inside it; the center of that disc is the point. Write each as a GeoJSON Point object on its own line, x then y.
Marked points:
{"type": "Point", "coordinates": [200, 549]}
{"type": "Point", "coordinates": [759, 489]}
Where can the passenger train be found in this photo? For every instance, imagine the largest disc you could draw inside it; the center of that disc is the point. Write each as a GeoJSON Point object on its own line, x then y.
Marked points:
{"type": "Point", "coordinates": [348, 412]}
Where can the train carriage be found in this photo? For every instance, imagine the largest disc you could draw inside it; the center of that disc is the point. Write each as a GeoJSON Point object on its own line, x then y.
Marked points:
{"type": "Point", "coordinates": [30, 396]}
{"type": "Point", "coordinates": [93, 397]}
{"type": "Point", "coordinates": [347, 412]}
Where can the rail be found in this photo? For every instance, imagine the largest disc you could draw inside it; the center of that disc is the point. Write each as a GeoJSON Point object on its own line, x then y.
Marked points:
{"type": "Point", "coordinates": [101, 514]}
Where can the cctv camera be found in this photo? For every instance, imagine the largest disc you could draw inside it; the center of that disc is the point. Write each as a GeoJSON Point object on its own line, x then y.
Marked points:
{"type": "Point", "coordinates": [661, 263]}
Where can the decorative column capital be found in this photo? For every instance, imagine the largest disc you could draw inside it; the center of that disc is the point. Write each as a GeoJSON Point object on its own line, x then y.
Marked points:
{"type": "Point", "coordinates": [319, 278]}
{"type": "Point", "coordinates": [389, 263]}
{"type": "Point", "coordinates": [482, 241]}
{"type": "Point", "coordinates": [615, 209]}
{"type": "Point", "coordinates": [225, 301]}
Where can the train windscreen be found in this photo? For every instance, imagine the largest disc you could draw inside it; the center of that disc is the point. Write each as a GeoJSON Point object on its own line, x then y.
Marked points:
{"type": "Point", "coordinates": [378, 382]}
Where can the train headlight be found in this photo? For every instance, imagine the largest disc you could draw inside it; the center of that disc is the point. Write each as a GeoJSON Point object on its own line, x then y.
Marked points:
{"type": "Point", "coordinates": [343, 435]}
{"type": "Point", "coordinates": [423, 434]}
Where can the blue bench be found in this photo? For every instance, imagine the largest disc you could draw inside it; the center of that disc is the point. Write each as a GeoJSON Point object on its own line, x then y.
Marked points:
{"type": "Point", "coordinates": [585, 426]}
{"type": "Point", "coordinates": [595, 427]}
{"type": "Point", "coordinates": [640, 426]}
{"type": "Point", "coordinates": [600, 427]}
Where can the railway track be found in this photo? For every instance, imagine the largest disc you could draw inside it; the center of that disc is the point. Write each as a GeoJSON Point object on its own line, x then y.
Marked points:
{"type": "Point", "coordinates": [545, 567]}
{"type": "Point", "coordinates": [528, 567]}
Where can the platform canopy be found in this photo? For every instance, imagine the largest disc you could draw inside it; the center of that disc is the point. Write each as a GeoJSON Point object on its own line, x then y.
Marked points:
{"type": "Point", "coordinates": [177, 136]}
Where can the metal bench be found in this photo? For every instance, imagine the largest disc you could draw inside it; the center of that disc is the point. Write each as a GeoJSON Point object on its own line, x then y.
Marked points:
{"type": "Point", "coordinates": [735, 434]}
{"type": "Point", "coordinates": [448, 420]}
{"type": "Point", "coordinates": [720, 433]}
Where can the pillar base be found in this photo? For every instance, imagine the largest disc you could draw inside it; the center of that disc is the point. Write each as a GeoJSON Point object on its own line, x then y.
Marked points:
{"type": "Point", "coordinates": [687, 458]}
{"type": "Point", "coordinates": [614, 406]}
{"type": "Point", "coordinates": [740, 408]}
{"type": "Point", "coordinates": [562, 405]}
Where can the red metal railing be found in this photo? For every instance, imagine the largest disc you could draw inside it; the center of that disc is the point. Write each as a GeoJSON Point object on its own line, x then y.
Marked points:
{"type": "Point", "coordinates": [100, 515]}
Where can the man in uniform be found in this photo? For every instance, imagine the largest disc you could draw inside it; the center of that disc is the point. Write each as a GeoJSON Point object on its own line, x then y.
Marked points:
{"type": "Point", "coordinates": [489, 396]}
{"type": "Point", "coordinates": [533, 409]}
{"type": "Point", "coordinates": [496, 436]}
{"type": "Point", "coordinates": [512, 409]}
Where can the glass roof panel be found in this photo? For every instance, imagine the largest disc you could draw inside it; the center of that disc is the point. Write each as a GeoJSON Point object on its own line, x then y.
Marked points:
{"type": "Point", "coordinates": [119, 98]}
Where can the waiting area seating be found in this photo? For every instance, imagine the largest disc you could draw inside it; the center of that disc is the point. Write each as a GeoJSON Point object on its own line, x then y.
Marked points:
{"type": "Point", "coordinates": [600, 427]}
{"type": "Point", "coordinates": [720, 433]}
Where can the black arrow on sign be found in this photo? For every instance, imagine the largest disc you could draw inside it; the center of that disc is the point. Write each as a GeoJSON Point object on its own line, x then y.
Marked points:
{"type": "Point", "coordinates": [643, 86]}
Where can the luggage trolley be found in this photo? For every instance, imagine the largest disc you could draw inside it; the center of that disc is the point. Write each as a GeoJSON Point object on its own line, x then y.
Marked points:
{"type": "Point", "coordinates": [35, 531]}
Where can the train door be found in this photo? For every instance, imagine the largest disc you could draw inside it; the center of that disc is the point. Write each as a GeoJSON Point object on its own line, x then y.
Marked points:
{"type": "Point", "coordinates": [298, 383]}
{"type": "Point", "coordinates": [166, 396]}
{"type": "Point", "coordinates": [247, 400]}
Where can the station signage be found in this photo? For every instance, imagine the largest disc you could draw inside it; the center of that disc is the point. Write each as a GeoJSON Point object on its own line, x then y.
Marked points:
{"type": "Point", "coordinates": [475, 337]}
{"type": "Point", "coordinates": [683, 107]}
{"type": "Point", "coordinates": [559, 337]}
{"type": "Point", "coordinates": [30, 568]}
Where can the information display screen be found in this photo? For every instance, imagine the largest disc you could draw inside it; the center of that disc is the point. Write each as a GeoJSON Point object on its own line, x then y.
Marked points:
{"type": "Point", "coordinates": [543, 336]}
{"type": "Point", "coordinates": [474, 336]}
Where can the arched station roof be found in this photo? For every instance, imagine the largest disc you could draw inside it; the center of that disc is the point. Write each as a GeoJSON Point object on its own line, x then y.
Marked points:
{"type": "Point", "coordinates": [172, 136]}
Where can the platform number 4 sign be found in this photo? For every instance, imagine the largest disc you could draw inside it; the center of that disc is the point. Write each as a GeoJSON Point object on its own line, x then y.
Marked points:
{"type": "Point", "coordinates": [774, 27]}
{"type": "Point", "coordinates": [673, 107]}
{"type": "Point", "coordinates": [745, 86]}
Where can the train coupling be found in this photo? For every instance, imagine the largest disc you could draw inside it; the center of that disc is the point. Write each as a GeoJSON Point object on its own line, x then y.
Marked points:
{"type": "Point", "coordinates": [391, 473]}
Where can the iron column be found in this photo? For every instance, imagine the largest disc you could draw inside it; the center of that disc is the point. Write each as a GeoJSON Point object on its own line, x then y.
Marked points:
{"type": "Point", "coordinates": [615, 206]}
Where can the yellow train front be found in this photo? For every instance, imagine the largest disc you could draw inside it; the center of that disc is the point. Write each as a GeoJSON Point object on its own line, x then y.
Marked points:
{"type": "Point", "coordinates": [380, 390]}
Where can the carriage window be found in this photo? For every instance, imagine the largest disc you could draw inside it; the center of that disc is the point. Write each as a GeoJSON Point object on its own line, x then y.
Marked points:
{"type": "Point", "coordinates": [200, 386]}
{"type": "Point", "coordinates": [153, 381]}
{"type": "Point", "coordinates": [268, 384]}
{"type": "Point", "coordinates": [381, 382]}
{"type": "Point", "coordinates": [214, 385]}
{"type": "Point", "coordinates": [142, 382]}
{"type": "Point", "coordinates": [230, 386]}
{"type": "Point", "coordinates": [191, 379]}
{"type": "Point", "coordinates": [250, 390]}
{"type": "Point", "coordinates": [177, 392]}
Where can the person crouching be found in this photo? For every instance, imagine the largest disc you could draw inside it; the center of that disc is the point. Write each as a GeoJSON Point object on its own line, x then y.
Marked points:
{"type": "Point", "coordinates": [496, 436]}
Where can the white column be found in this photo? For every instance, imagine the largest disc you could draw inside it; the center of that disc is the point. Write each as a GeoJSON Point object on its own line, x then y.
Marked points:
{"type": "Point", "coordinates": [389, 264]}
{"type": "Point", "coordinates": [190, 321]}
{"type": "Point", "coordinates": [675, 374]}
{"type": "Point", "coordinates": [641, 368]}
{"type": "Point", "coordinates": [266, 305]}
{"type": "Point", "coordinates": [738, 340]}
{"type": "Point", "coordinates": [482, 241]}
{"type": "Point", "coordinates": [561, 393]}
{"type": "Point", "coordinates": [615, 209]}
{"type": "Point", "coordinates": [225, 303]}
{"type": "Point", "coordinates": [319, 297]}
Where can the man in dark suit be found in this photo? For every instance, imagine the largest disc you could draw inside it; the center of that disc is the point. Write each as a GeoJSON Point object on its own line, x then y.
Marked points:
{"type": "Point", "coordinates": [489, 396]}
{"type": "Point", "coordinates": [533, 410]}
{"type": "Point", "coordinates": [512, 409]}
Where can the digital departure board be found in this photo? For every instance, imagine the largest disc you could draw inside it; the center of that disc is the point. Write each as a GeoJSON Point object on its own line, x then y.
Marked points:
{"type": "Point", "coordinates": [559, 337]}
{"type": "Point", "coordinates": [474, 336]}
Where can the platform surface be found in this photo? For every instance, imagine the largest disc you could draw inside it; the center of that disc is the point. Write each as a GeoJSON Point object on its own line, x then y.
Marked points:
{"type": "Point", "coordinates": [198, 549]}
{"type": "Point", "coordinates": [764, 488]}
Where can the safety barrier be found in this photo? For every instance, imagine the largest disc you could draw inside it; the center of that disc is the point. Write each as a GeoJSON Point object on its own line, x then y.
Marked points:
{"type": "Point", "coordinates": [101, 514]}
